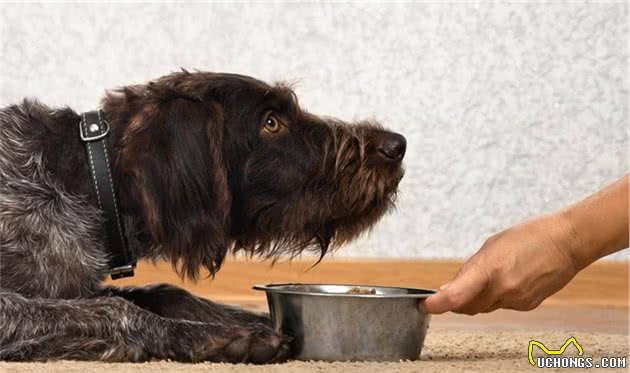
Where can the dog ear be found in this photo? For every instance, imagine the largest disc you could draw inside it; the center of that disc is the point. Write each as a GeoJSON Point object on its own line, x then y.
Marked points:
{"type": "Point", "coordinates": [180, 181]}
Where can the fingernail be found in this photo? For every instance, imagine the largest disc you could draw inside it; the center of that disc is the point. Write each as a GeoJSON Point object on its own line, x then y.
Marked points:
{"type": "Point", "coordinates": [443, 287]}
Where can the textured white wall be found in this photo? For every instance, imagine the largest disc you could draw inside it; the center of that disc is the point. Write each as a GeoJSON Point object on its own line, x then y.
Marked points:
{"type": "Point", "coordinates": [509, 110]}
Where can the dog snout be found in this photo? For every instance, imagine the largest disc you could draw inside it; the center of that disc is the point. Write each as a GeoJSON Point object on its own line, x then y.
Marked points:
{"type": "Point", "coordinates": [391, 146]}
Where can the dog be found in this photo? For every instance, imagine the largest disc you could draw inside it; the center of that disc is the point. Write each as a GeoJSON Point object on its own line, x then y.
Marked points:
{"type": "Point", "coordinates": [204, 164]}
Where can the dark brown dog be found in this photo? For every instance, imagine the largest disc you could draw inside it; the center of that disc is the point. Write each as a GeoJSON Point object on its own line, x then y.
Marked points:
{"type": "Point", "coordinates": [203, 163]}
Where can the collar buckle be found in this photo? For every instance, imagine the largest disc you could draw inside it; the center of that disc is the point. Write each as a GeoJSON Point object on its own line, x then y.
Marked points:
{"type": "Point", "coordinates": [93, 131]}
{"type": "Point", "coordinates": [122, 271]}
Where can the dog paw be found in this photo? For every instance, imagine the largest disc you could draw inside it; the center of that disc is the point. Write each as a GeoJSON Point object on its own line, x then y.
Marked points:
{"type": "Point", "coordinates": [257, 344]}
{"type": "Point", "coordinates": [196, 342]}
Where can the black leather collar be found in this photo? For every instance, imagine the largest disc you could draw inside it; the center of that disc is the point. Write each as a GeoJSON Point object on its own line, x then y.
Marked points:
{"type": "Point", "coordinates": [93, 130]}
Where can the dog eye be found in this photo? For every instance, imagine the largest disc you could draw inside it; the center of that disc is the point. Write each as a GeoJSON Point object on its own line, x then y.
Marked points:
{"type": "Point", "coordinates": [272, 124]}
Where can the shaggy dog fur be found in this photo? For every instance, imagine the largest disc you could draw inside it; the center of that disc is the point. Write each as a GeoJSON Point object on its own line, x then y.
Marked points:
{"type": "Point", "coordinates": [203, 163]}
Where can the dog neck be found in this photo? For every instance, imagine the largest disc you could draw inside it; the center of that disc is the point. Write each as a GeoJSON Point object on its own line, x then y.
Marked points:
{"type": "Point", "coordinates": [64, 157]}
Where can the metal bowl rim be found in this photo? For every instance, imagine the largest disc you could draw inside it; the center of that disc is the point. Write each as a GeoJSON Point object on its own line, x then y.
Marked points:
{"type": "Point", "coordinates": [272, 288]}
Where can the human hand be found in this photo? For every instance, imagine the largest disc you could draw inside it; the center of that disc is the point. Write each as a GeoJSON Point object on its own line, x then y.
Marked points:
{"type": "Point", "coordinates": [515, 269]}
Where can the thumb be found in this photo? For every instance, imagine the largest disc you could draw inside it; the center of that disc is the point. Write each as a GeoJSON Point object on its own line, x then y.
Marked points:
{"type": "Point", "coordinates": [464, 288]}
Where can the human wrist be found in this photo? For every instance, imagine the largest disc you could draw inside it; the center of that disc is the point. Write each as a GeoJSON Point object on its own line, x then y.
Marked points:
{"type": "Point", "coordinates": [575, 244]}
{"type": "Point", "coordinates": [599, 223]}
{"type": "Point", "coordinates": [592, 239]}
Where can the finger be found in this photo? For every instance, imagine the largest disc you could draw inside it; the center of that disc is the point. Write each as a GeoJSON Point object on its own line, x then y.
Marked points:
{"type": "Point", "coordinates": [482, 303]}
{"type": "Point", "coordinates": [421, 302]}
{"type": "Point", "coordinates": [462, 290]}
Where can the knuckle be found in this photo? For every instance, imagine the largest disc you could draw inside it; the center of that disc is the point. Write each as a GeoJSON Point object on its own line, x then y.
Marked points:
{"type": "Point", "coordinates": [511, 287]}
{"type": "Point", "coordinates": [454, 299]}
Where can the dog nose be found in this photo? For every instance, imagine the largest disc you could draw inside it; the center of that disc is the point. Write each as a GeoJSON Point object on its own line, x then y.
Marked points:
{"type": "Point", "coordinates": [391, 146]}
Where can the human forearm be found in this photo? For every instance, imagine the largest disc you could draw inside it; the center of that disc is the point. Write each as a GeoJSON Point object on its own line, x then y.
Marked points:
{"type": "Point", "coordinates": [599, 223]}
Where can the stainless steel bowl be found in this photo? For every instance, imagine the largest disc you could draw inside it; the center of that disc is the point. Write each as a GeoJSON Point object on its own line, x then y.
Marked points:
{"type": "Point", "coordinates": [328, 323]}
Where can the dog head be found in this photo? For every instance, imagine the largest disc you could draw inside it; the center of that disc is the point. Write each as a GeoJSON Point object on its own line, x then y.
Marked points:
{"type": "Point", "coordinates": [220, 161]}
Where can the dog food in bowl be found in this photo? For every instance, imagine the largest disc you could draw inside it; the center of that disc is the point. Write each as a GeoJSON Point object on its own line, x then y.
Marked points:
{"type": "Point", "coordinates": [361, 291]}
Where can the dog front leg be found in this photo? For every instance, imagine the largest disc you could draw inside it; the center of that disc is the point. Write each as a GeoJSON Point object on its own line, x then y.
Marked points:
{"type": "Point", "coordinates": [114, 329]}
{"type": "Point", "coordinates": [174, 302]}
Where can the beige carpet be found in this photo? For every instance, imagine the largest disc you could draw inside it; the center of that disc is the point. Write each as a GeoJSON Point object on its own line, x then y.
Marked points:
{"type": "Point", "coordinates": [446, 351]}
{"type": "Point", "coordinates": [593, 309]}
